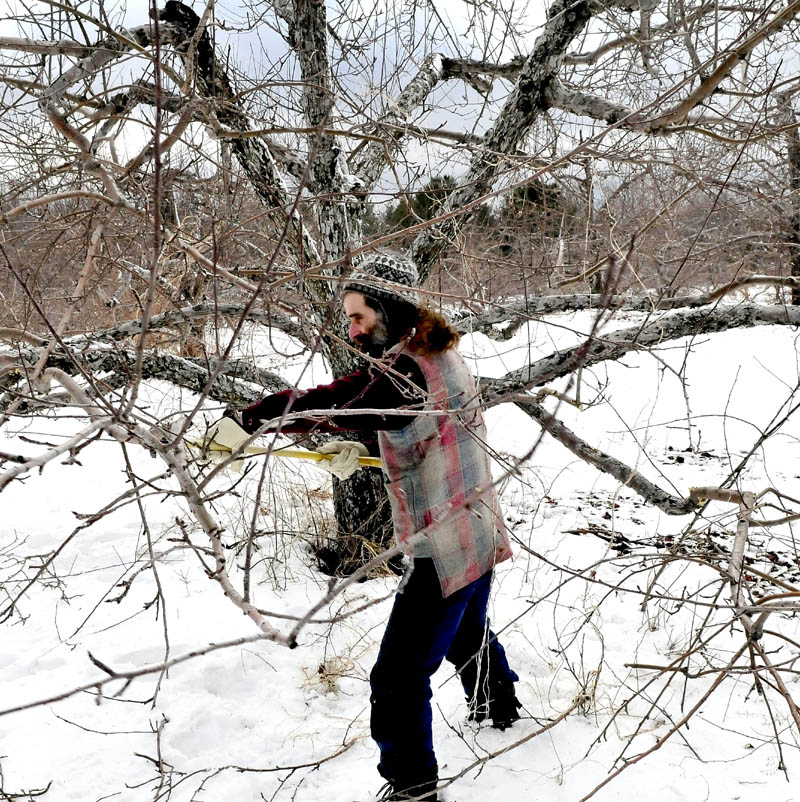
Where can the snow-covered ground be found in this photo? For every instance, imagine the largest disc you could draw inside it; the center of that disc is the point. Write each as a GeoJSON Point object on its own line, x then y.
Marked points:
{"type": "Point", "coordinates": [259, 721]}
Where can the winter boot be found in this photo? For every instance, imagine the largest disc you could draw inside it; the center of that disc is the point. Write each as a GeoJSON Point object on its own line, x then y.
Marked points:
{"type": "Point", "coordinates": [420, 787]}
{"type": "Point", "coordinates": [499, 703]}
{"type": "Point", "coordinates": [418, 794]}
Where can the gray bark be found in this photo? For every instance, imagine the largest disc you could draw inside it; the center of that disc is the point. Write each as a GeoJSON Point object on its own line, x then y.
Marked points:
{"type": "Point", "coordinates": [338, 215]}
{"type": "Point", "coordinates": [612, 346]}
{"type": "Point", "coordinates": [538, 89]}
{"type": "Point", "coordinates": [233, 386]}
{"type": "Point", "coordinates": [370, 162]}
{"type": "Point", "coordinates": [62, 47]}
{"type": "Point", "coordinates": [693, 323]}
{"type": "Point", "coordinates": [585, 105]}
{"type": "Point", "coordinates": [362, 511]}
{"type": "Point", "coordinates": [516, 311]}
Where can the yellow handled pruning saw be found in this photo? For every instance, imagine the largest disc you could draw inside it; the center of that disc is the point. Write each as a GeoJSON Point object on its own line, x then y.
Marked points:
{"type": "Point", "coordinates": [226, 436]}
{"type": "Point", "coordinates": [290, 453]}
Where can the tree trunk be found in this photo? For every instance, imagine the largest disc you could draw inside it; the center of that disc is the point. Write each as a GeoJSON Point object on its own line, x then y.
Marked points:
{"type": "Point", "coordinates": [362, 510]}
{"type": "Point", "coordinates": [363, 516]}
{"type": "Point", "coordinates": [363, 523]}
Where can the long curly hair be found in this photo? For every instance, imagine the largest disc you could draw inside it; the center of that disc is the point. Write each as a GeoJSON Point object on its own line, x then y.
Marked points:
{"type": "Point", "coordinates": [429, 333]}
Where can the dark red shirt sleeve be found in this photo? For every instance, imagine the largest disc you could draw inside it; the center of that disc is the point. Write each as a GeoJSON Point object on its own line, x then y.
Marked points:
{"type": "Point", "coordinates": [396, 384]}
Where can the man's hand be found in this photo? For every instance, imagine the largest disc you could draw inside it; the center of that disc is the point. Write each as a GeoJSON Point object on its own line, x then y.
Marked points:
{"type": "Point", "coordinates": [345, 463]}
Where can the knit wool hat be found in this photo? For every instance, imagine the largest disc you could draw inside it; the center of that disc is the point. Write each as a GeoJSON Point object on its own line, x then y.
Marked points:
{"type": "Point", "coordinates": [386, 275]}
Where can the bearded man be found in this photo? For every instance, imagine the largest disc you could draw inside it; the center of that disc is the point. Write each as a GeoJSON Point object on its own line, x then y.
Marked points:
{"type": "Point", "coordinates": [432, 441]}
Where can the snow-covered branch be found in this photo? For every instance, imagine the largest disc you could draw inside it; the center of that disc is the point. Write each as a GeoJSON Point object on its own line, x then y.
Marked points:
{"type": "Point", "coordinates": [642, 337]}
{"type": "Point", "coordinates": [233, 385]}
{"type": "Point", "coordinates": [515, 312]}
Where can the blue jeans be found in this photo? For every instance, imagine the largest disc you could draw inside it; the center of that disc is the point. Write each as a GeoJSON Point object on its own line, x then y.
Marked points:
{"type": "Point", "coordinates": [424, 629]}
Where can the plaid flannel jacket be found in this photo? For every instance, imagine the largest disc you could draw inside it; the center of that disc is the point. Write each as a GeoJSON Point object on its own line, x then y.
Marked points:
{"type": "Point", "coordinates": [437, 464]}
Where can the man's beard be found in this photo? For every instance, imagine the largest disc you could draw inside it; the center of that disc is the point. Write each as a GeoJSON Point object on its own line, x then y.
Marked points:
{"type": "Point", "coordinates": [376, 340]}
